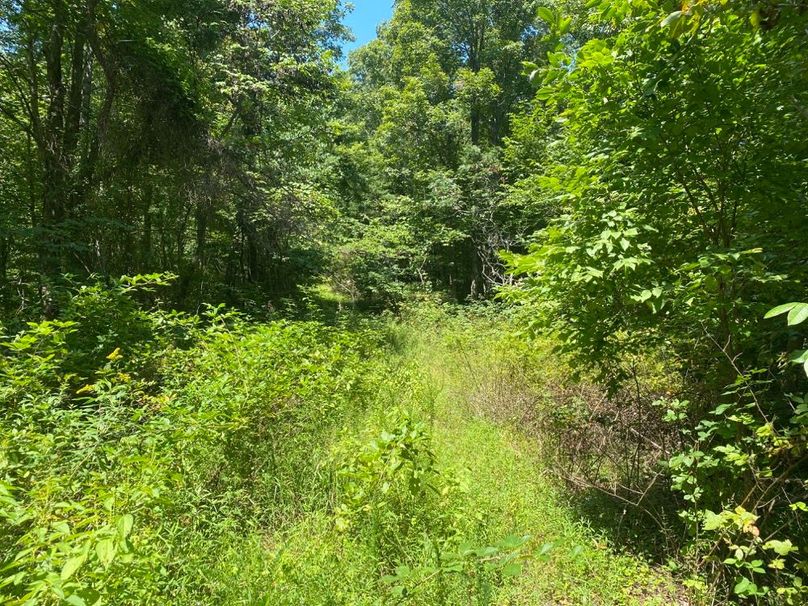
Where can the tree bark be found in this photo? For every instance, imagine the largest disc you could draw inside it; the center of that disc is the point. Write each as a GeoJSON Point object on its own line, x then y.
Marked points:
{"type": "Point", "coordinates": [475, 126]}
{"type": "Point", "coordinates": [146, 240]}
{"type": "Point", "coordinates": [201, 234]}
{"type": "Point", "coordinates": [54, 178]}
{"type": "Point", "coordinates": [5, 249]}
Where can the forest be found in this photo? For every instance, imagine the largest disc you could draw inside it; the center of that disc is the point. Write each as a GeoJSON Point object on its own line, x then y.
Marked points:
{"type": "Point", "coordinates": [507, 306]}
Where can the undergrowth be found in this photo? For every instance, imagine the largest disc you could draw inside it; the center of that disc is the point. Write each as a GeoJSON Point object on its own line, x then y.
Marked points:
{"type": "Point", "coordinates": [150, 457]}
{"type": "Point", "coordinates": [718, 503]}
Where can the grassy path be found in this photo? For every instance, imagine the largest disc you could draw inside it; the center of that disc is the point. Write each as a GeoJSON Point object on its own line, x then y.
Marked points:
{"type": "Point", "coordinates": [571, 565]}
{"type": "Point", "coordinates": [374, 518]}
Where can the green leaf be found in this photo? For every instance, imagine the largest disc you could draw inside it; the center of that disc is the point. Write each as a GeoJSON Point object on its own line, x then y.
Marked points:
{"type": "Point", "coordinates": [745, 587]}
{"type": "Point", "coordinates": [798, 314]}
{"type": "Point", "coordinates": [72, 565]}
{"type": "Point", "coordinates": [779, 310]}
{"type": "Point", "coordinates": [87, 596]}
{"type": "Point", "coordinates": [799, 357]}
{"type": "Point", "coordinates": [672, 19]}
{"type": "Point", "coordinates": [486, 552]}
{"type": "Point", "coordinates": [546, 15]}
{"type": "Point", "coordinates": [529, 66]}
{"type": "Point", "coordinates": [403, 571]}
{"type": "Point", "coordinates": [782, 548]}
{"type": "Point", "coordinates": [512, 542]}
{"type": "Point", "coordinates": [125, 524]}
{"type": "Point", "coordinates": [544, 93]}
{"type": "Point", "coordinates": [514, 569]}
{"type": "Point", "coordinates": [105, 550]}
{"type": "Point", "coordinates": [713, 521]}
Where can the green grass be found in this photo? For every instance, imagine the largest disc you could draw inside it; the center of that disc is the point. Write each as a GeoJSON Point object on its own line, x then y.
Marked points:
{"type": "Point", "coordinates": [503, 486]}
{"type": "Point", "coordinates": [295, 463]}
{"type": "Point", "coordinates": [509, 484]}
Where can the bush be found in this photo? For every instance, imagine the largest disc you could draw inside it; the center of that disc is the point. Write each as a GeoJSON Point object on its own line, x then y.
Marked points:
{"type": "Point", "coordinates": [412, 517]}
{"type": "Point", "coordinates": [126, 489]}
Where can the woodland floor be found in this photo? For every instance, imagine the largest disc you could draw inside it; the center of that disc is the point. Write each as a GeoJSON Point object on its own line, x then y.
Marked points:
{"type": "Point", "coordinates": [506, 484]}
{"type": "Point", "coordinates": [509, 482]}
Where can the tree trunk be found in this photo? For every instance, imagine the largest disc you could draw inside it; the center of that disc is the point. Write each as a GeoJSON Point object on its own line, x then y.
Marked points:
{"type": "Point", "coordinates": [475, 126]}
{"type": "Point", "coordinates": [201, 234]}
{"type": "Point", "coordinates": [53, 200]}
{"type": "Point", "coordinates": [57, 135]}
{"type": "Point", "coordinates": [477, 281]}
{"type": "Point", "coordinates": [146, 240]}
{"type": "Point", "coordinates": [53, 216]}
{"type": "Point", "coordinates": [5, 249]}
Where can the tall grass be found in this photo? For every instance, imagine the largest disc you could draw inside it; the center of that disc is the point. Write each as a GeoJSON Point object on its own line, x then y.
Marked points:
{"type": "Point", "coordinates": [207, 460]}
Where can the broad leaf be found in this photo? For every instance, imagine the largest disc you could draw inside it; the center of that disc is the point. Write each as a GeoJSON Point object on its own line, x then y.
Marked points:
{"type": "Point", "coordinates": [125, 524]}
{"type": "Point", "coordinates": [798, 314]}
{"type": "Point", "coordinates": [72, 565]}
{"type": "Point", "coordinates": [546, 14]}
{"type": "Point", "coordinates": [779, 310]}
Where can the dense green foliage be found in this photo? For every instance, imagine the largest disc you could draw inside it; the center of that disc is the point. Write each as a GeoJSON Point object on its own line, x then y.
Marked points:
{"type": "Point", "coordinates": [625, 183]}
{"type": "Point", "coordinates": [181, 136]}
{"type": "Point", "coordinates": [261, 465]}
{"type": "Point", "coordinates": [672, 148]}
{"type": "Point", "coordinates": [682, 181]}
{"type": "Point", "coordinates": [124, 487]}
{"type": "Point", "coordinates": [424, 127]}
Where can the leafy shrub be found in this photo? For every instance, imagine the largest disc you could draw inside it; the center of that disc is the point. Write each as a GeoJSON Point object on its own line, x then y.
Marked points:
{"type": "Point", "coordinates": [109, 318]}
{"type": "Point", "coordinates": [747, 462]}
{"type": "Point", "coordinates": [666, 244]}
{"type": "Point", "coordinates": [412, 515]}
{"type": "Point", "coordinates": [376, 268]}
{"type": "Point", "coordinates": [125, 489]}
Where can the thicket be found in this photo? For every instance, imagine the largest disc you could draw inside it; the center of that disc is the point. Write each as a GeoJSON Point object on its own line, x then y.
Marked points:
{"type": "Point", "coordinates": [156, 135]}
{"type": "Point", "coordinates": [672, 148]}
{"type": "Point", "coordinates": [153, 457]}
{"type": "Point", "coordinates": [136, 444]}
{"type": "Point", "coordinates": [223, 142]}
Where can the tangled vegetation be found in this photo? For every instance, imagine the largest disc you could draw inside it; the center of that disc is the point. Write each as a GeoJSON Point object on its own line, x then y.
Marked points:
{"type": "Point", "coordinates": [508, 306]}
{"type": "Point", "coordinates": [257, 465]}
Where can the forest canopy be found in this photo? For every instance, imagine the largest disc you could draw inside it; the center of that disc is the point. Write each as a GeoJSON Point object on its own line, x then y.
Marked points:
{"type": "Point", "coordinates": [615, 192]}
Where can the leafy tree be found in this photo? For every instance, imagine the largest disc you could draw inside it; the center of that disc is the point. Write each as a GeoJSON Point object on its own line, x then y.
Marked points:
{"type": "Point", "coordinates": [681, 182]}
{"type": "Point", "coordinates": [430, 106]}
{"type": "Point", "coordinates": [669, 151]}
{"type": "Point", "coordinates": [164, 135]}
